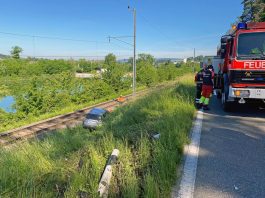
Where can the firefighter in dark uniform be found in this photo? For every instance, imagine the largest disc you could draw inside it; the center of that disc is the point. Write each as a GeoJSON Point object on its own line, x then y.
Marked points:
{"type": "Point", "coordinates": [207, 87]}
{"type": "Point", "coordinates": [198, 81]}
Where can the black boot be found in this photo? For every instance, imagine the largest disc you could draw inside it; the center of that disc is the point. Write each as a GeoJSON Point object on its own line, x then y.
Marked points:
{"type": "Point", "coordinates": [206, 108]}
{"type": "Point", "coordinates": [199, 105]}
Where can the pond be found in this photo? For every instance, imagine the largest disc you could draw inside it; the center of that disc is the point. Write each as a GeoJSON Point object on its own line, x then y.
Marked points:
{"type": "Point", "coordinates": [6, 104]}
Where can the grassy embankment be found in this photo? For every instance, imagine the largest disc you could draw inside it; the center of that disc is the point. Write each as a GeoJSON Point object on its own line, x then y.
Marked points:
{"type": "Point", "coordinates": [69, 163]}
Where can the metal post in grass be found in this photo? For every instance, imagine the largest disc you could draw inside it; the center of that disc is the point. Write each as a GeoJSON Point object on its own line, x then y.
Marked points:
{"type": "Point", "coordinates": [134, 49]}
{"type": "Point", "coordinates": [106, 176]}
{"type": "Point", "coordinates": [194, 61]}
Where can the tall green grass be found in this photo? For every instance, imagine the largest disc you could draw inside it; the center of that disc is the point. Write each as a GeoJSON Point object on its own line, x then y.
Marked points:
{"type": "Point", "coordinates": [69, 163]}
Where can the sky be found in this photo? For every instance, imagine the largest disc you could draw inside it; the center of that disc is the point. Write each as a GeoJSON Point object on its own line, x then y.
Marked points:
{"type": "Point", "coordinates": [80, 28]}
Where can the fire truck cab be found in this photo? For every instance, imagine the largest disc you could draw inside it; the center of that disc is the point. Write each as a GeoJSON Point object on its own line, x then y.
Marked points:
{"type": "Point", "coordinates": [241, 75]}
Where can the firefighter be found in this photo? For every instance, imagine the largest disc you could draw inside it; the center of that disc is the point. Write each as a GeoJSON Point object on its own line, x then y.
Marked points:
{"type": "Point", "coordinates": [198, 81]}
{"type": "Point", "coordinates": [207, 87]}
{"type": "Point", "coordinates": [210, 67]}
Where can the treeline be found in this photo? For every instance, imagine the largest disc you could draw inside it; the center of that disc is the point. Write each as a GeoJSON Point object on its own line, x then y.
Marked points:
{"type": "Point", "coordinates": [29, 67]}
{"type": "Point", "coordinates": [199, 58]}
{"type": "Point", "coordinates": [43, 87]}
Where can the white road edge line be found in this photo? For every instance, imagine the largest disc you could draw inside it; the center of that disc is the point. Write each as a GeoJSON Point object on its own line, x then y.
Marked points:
{"type": "Point", "coordinates": [187, 183]}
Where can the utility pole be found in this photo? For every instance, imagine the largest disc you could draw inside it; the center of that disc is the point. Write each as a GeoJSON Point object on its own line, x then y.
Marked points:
{"type": "Point", "coordinates": [194, 60]}
{"type": "Point", "coordinates": [34, 47]}
{"type": "Point", "coordinates": [134, 51]}
{"type": "Point", "coordinates": [134, 46]}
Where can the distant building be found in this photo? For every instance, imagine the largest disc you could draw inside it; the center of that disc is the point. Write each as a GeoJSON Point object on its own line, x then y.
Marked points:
{"type": "Point", "coordinates": [185, 60]}
{"type": "Point", "coordinates": [177, 61]}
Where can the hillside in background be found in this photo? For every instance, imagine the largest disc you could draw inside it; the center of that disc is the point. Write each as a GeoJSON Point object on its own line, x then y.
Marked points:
{"type": "Point", "coordinates": [2, 56]}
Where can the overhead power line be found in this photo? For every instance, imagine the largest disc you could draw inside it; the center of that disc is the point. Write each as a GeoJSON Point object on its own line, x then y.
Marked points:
{"type": "Point", "coordinates": [50, 37]}
{"type": "Point", "coordinates": [116, 38]}
{"type": "Point", "coordinates": [34, 37]}
{"type": "Point", "coordinates": [70, 56]}
{"type": "Point", "coordinates": [120, 46]}
{"type": "Point", "coordinates": [74, 56]}
{"type": "Point", "coordinates": [122, 36]}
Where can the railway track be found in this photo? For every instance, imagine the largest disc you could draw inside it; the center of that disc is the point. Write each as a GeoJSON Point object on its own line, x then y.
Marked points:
{"type": "Point", "coordinates": [59, 122]}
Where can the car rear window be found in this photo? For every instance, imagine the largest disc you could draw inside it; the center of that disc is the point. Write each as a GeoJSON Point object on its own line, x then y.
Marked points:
{"type": "Point", "coordinates": [93, 117]}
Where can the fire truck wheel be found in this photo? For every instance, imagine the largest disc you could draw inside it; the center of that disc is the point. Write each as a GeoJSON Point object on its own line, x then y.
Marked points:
{"type": "Point", "coordinates": [227, 106]}
{"type": "Point", "coordinates": [219, 95]}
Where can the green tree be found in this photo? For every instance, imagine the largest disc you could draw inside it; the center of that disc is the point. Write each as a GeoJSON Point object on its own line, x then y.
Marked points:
{"type": "Point", "coordinates": [130, 60]}
{"type": "Point", "coordinates": [146, 58]}
{"type": "Point", "coordinates": [146, 72]}
{"type": "Point", "coordinates": [167, 72]}
{"type": "Point", "coordinates": [248, 11]}
{"type": "Point", "coordinates": [259, 10]}
{"type": "Point", "coordinates": [84, 65]}
{"type": "Point", "coordinates": [114, 73]}
{"type": "Point", "coordinates": [253, 10]}
{"type": "Point", "coordinates": [44, 95]}
{"type": "Point", "coordinates": [15, 52]}
{"type": "Point", "coordinates": [55, 66]}
{"type": "Point", "coordinates": [147, 75]}
{"type": "Point", "coordinates": [110, 60]}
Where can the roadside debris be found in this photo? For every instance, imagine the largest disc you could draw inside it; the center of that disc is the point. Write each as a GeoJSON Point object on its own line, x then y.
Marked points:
{"type": "Point", "coordinates": [121, 99]}
{"type": "Point", "coordinates": [106, 176]}
{"type": "Point", "coordinates": [235, 187]}
{"type": "Point", "coordinates": [156, 136]}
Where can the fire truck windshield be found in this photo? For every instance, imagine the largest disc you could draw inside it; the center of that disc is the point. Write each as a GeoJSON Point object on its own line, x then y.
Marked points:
{"type": "Point", "coordinates": [251, 46]}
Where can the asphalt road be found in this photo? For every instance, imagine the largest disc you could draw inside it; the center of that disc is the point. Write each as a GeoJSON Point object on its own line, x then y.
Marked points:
{"type": "Point", "coordinates": [231, 159]}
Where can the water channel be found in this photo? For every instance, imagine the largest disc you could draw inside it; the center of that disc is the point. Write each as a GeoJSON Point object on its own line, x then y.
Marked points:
{"type": "Point", "coordinates": [6, 104]}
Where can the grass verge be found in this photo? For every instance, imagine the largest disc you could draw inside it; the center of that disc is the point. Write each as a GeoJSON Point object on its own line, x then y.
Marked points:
{"type": "Point", "coordinates": [69, 163]}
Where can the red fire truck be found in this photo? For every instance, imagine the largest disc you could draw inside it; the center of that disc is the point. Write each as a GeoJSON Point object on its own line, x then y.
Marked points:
{"type": "Point", "coordinates": [240, 75]}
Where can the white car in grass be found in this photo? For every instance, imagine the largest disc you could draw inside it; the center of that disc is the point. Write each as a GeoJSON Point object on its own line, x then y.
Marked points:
{"type": "Point", "coordinates": [94, 118]}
